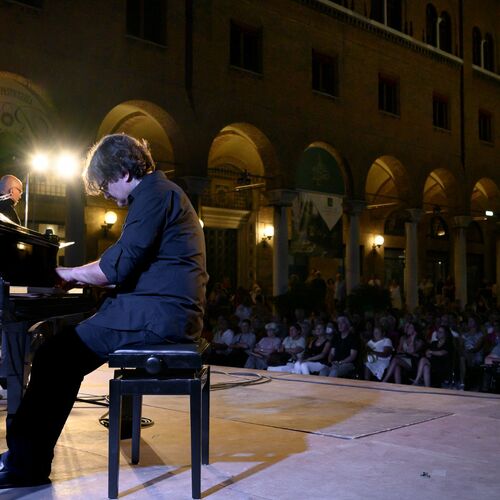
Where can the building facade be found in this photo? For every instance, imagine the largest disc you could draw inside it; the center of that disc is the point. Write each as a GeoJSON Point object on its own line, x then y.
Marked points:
{"type": "Point", "coordinates": [331, 122]}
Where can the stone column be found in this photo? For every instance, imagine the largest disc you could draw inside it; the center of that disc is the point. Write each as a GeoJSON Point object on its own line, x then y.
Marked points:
{"type": "Point", "coordinates": [411, 259]}
{"type": "Point", "coordinates": [280, 199]}
{"type": "Point", "coordinates": [460, 224]}
{"type": "Point", "coordinates": [353, 209]}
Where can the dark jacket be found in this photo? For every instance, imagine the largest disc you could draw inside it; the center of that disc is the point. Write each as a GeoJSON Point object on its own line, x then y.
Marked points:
{"type": "Point", "coordinates": [158, 265]}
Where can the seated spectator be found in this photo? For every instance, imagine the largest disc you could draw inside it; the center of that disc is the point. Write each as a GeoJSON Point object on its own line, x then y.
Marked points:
{"type": "Point", "coordinates": [244, 308]}
{"type": "Point", "coordinates": [435, 365]}
{"type": "Point", "coordinates": [389, 325]}
{"type": "Point", "coordinates": [217, 301]}
{"type": "Point", "coordinates": [242, 346]}
{"type": "Point", "coordinates": [264, 348]}
{"type": "Point", "coordinates": [490, 373]}
{"type": "Point", "coordinates": [471, 349]}
{"type": "Point", "coordinates": [315, 354]}
{"type": "Point", "coordinates": [222, 338]}
{"type": "Point", "coordinates": [367, 331]}
{"type": "Point", "coordinates": [379, 352]}
{"type": "Point", "coordinates": [260, 309]}
{"type": "Point", "coordinates": [344, 351]}
{"type": "Point", "coordinates": [407, 356]}
{"type": "Point", "coordinates": [493, 348]}
{"type": "Point", "coordinates": [330, 330]}
{"type": "Point", "coordinates": [290, 351]}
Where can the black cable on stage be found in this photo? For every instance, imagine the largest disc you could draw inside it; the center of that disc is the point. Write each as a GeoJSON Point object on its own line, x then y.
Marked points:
{"type": "Point", "coordinates": [248, 379]}
{"type": "Point", "coordinates": [255, 379]}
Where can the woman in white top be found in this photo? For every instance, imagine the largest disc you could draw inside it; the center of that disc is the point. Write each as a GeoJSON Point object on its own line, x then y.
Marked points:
{"type": "Point", "coordinates": [379, 352]}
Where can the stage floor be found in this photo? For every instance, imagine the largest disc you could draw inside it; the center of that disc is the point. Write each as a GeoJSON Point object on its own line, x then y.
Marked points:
{"type": "Point", "coordinates": [289, 438]}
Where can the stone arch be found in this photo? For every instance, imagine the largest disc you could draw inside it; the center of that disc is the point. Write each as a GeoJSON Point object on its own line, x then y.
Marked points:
{"type": "Point", "coordinates": [144, 119]}
{"type": "Point", "coordinates": [485, 196]}
{"type": "Point", "coordinates": [387, 185]}
{"type": "Point", "coordinates": [246, 147]}
{"type": "Point", "coordinates": [28, 121]}
{"type": "Point", "coordinates": [441, 190]}
{"type": "Point", "coordinates": [333, 176]}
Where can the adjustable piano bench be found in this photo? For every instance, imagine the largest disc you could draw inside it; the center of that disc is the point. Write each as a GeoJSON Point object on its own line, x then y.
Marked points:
{"type": "Point", "coordinates": [167, 369]}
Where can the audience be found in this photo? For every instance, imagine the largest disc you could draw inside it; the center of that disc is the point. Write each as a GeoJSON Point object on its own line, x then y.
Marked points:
{"type": "Point", "coordinates": [242, 345]}
{"type": "Point", "coordinates": [438, 344]}
{"type": "Point", "coordinates": [344, 351]}
{"type": "Point", "coordinates": [264, 348]}
{"type": "Point", "coordinates": [290, 351]}
{"type": "Point", "coordinates": [435, 366]}
{"type": "Point", "coordinates": [316, 352]}
{"type": "Point", "coordinates": [407, 356]}
{"type": "Point", "coordinates": [379, 352]}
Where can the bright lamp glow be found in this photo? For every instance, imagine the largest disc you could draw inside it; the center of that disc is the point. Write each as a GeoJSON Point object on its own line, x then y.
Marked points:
{"type": "Point", "coordinates": [110, 217]}
{"type": "Point", "coordinates": [39, 162]}
{"type": "Point", "coordinates": [488, 213]}
{"type": "Point", "coordinates": [67, 165]}
{"type": "Point", "coordinates": [268, 232]}
{"type": "Point", "coordinates": [378, 241]}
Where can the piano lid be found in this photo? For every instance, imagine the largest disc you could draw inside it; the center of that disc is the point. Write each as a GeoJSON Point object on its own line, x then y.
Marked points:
{"type": "Point", "coordinates": [27, 257]}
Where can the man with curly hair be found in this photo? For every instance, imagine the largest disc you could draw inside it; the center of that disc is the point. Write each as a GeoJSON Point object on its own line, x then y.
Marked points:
{"type": "Point", "coordinates": [157, 271]}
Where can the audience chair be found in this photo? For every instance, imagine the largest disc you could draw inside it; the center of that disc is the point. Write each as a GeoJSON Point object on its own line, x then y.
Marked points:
{"type": "Point", "coordinates": [167, 369]}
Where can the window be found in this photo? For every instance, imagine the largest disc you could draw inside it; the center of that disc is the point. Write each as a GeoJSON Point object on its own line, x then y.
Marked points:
{"type": "Point", "coordinates": [394, 14]}
{"type": "Point", "coordinates": [488, 53]}
{"type": "Point", "coordinates": [440, 112]}
{"type": "Point", "coordinates": [146, 19]}
{"type": "Point", "coordinates": [476, 46]}
{"type": "Point", "coordinates": [245, 47]}
{"type": "Point", "coordinates": [377, 11]}
{"type": "Point", "coordinates": [388, 94]}
{"type": "Point", "coordinates": [324, 73]}
{"type": "Point", "coordinates": [431, 25]}
{"type": "Point", "coordinates": [445, 32]}
{"type": "Point", "coordinates": [485, 126]}
{"type": "Point", "coordinates": [388, 12]}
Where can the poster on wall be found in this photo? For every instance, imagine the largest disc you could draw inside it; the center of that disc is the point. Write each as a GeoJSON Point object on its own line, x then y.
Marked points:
{"type": "Point", "coordinates": [317, 224]}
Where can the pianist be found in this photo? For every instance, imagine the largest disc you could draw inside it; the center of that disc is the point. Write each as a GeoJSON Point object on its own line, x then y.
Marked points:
{"type": "Point", "coordinates": [158, 268]}
{"type": "Point", "coordinates": [11, 190]}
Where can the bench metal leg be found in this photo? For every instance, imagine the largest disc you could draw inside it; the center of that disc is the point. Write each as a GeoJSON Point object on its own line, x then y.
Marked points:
{"type": "Point", "coordinates": [195, 403]}
{"type": "Point", "coordinates": [205, 422]}
{"type": "Point", "coordinates": [114, 437]}
{"type": "Point", "coordinates": [136, 427]}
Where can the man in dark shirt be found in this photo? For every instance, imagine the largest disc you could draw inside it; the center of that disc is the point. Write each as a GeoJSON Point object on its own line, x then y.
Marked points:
{"type": "Point", "coordinates": [157, 267]}
{"type": "Point", "coordinates": [344, 351]}
{"type": "Point", "coordinates": [11, 190]}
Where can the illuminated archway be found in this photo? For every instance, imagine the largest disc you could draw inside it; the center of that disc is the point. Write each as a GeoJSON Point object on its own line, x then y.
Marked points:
{"type": "Point", "coordinates": [387, 186]}
{"type": "Point", "coordinates": [485, 197]}
{"type": "Point", "coordinates": [146, 120]}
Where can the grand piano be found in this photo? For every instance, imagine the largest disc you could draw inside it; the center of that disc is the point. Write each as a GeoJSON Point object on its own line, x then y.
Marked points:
{"type": "Point", "coordinates": [32, 306]}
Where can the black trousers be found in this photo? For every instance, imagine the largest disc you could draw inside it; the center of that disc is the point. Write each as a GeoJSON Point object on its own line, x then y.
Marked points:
{"type": "Point", "coordinates": [58, 369]}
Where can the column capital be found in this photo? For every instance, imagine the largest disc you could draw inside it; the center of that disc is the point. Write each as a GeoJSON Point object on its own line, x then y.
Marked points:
{"type": "Point", "coordinates": [461, 221]}
{"type": "Point", "coordinates": [415, 214]}
{"type": "Point", "coordinates": [280, 197]}
{"type": "Point", "coordinates": [354, 207]}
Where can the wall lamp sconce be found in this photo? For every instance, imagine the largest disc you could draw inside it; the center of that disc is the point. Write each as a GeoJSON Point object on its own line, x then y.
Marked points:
{"type": "Point", "coordinates": [378, 241]}
{"type": "Point", "coordinates": [267, 234]}
{"type": "Point", "coordinates": [110, 218]}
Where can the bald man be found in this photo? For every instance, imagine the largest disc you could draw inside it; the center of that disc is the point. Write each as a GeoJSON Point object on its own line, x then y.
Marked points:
{"type": "Point", "coordinates": [11, 190]}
